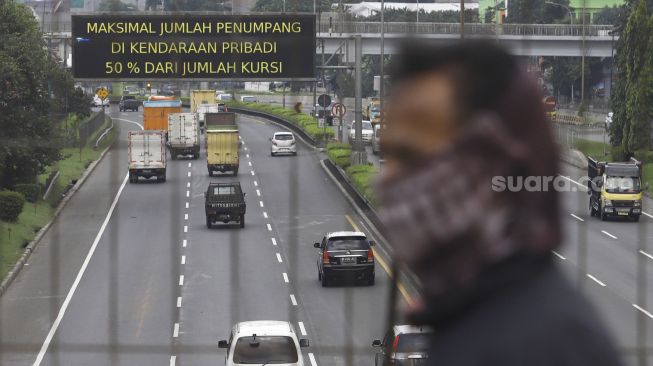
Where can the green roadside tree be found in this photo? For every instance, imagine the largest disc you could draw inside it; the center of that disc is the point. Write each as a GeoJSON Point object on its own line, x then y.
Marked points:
{"type": "Point", "coordinates": [632, 100]}
{"type": "Point", "coordinates": [28, 138]}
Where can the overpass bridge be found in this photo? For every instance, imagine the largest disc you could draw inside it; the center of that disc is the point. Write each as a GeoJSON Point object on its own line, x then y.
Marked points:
{"type": "Point", "coordinates": [520, 39]}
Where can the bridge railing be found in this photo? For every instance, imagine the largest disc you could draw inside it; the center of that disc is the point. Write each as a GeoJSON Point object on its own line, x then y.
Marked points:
{"type": "Point", "coordinates": [560, 30]}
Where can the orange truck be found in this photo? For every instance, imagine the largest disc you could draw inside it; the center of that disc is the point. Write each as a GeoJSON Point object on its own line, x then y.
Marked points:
{"type": "Point", "coordinates": [155, 113]}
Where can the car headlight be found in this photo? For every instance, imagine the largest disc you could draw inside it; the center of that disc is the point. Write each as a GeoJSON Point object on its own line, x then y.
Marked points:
{"type": "Point", "coordinates": [637, 204]}
{"type": "Point", "coordinates": [607, 202]}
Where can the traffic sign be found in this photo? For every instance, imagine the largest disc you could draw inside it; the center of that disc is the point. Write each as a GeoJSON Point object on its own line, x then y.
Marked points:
{"type": "Point", "coordinates": [338, 110]}
{"type": "Point", "coordinates": [324, 100]}
{"type": "Point", "coordinates": [102, 93]}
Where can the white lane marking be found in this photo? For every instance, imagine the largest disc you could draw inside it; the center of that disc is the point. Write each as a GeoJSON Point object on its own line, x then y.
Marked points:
{"type": "Point", "coordinates": [190, 165]}
{"type": "Point", "coordinates": [189, 174]}
{"type": "Point", "coordinates": [643, 310]}
{"type": "Point", "coordinates": [185, 216]}
{"type": "Point", "coordinates": [185, 228]}
{"type": "Point", "coordinates": [585, 188]}
{"type": "Point", "coordinates": [265, 214]}
{"type": "Point", "coordinates": [179, 301]}
{"type": "Point", "coordinates": [183, 259]}
{"type": "Point", "coordinates": [187, 204]}
{"type": "Point", "coordinates": [293, 300]}
{"type": "Point", "coordinates": [247, 156]}
{"type": "Point", "coordinates": [279, 258]}
{"type": "Point", "coordinates": [285, 277]}
{"type": "Point", "coordinates": [577, 218]}
{"type": "Point", "coordinates": [181, 280]}
{"type": "Point", "coordinates": [184, 243]}
{"type": "Point", "coordinates": [80, 274]}
{"type": "Point", "coordinates": [255, 184]}
{"type": "Point", "coordinates": [253, 173]}
{"type": "Point", "coordinates": [274, 241]}
{"type": "Point", "coordinates": [596, 280]}
{"type": "Point", "coordinates": [312, 358]}
{"type": "Point", "coordinates": [258, 193]}
{"type": "Point", "coordinates": [188, 185]}
{"type": "Point", "coordinates": [558, 255]}
{"type": "Point", "coordinates": [261, 203]}
{"type": "Point", "coordinates": [646, 254]}
{"type": "Point", "coordinates": [175, 331]}
{"type": "Point", "coordinates": [245, 148]}
{"type": "Point", "coordinates": [302, 328]}
{"type": "Point", "coordinates": [608, 234]}
{"type": "Point", "coordinates": [269, 227]}
{"type": "Point", "coordinates": [173, 360]}
{"type": "Point", "coordinates": [187, 193]}
{"type": "Point", "coordinates": [249, 163]}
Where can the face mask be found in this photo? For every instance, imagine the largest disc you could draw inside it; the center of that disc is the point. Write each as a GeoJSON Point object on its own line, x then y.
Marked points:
{"type": "Point", "coordinates": [445, 221]}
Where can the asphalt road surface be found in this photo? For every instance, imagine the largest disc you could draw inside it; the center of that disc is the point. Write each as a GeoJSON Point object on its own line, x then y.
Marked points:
{"type": "Point", "coordinates": [130, 275]}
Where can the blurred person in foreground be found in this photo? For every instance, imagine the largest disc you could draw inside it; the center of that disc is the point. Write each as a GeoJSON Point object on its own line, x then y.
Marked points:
{"type": "Point", "coordinates": [459, 116]}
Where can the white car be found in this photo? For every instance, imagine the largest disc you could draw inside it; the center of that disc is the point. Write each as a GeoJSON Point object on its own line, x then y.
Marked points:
{"type": "Point", "coordinates": [264, 342]}
{"type": "Point", "coordinates": [248, 99]}
{"type": "Point", "coordinates": [97, 102]}
{"type": "Point", "coordinates": [367, 132]}
{"type": "Point", "coordinates": [224, 97]}
{"type": "Point", "coordinates": [376, 140]}
{"type": "Point", "coordinates": [283, 143]}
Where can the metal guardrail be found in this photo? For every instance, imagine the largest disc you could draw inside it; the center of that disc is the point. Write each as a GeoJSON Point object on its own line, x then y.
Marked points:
{"type": "Point", "coordinates": [552, 30]}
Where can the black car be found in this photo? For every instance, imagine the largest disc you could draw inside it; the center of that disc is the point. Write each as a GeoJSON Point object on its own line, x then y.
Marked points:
{"type": "Point", "coordinates": [224, 202]}
{"type": "Point", "coordinates": [345, 255]}
{"type": "Point", "coordinates": [404, 345]}
{"type": "Point", "coordinates": [129, 102]}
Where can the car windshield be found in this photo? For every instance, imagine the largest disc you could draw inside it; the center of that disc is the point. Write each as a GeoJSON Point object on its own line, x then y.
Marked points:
{"type": "Point", "coordinates": [265, 349]}
{"type": "Point", "coordinates": [285, 136]}
{"type": "Point", "coordinates": [348, 243]}
{"type": "Point", "coordinates": [622, 184]}
{"type": "Point", "coordinates": [367, 125]}
{"type": "Point", "coordinates": [222, 190]}
{"type": "Point", "coordinates": [414, 343]}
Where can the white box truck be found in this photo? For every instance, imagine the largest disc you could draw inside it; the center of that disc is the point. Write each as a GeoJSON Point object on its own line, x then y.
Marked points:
{"type": "Point", "coordinates": [203, 109]}
{"type": "Point", "coordinates": [147, 155]}
{"type": "Point", "coordinates": [183, 135]}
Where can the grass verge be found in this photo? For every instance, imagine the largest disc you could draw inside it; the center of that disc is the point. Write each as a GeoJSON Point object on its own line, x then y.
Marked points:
{"type": "Point", "coordinates": [15, 236]}
{"type": "Point", "coordinates": [301, 120]}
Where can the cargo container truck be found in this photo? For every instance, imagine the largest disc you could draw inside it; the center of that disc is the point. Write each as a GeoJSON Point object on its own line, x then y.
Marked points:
{"type": "Point", "coordinates": [155, 113]}
{"type": "Point", "coordinates": [147, 155]}
{"type": "Point", "coordinates": [183, 135]}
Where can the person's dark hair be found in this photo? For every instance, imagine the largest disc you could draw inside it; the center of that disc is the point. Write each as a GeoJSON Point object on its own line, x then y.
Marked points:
{"type": "Point", "coordinates": [481, 70]}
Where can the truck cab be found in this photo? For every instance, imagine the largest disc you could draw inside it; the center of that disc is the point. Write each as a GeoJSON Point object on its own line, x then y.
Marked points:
{"type": "Point", "coordinates": [615, 189]}
{"type": "Point", "coordinates": [224, 202]}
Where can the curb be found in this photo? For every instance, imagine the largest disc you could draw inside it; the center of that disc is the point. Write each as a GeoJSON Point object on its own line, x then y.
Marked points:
{"type": "Point", "coordinates": [29, 249]}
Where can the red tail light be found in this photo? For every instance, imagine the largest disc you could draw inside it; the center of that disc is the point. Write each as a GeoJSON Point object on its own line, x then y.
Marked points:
{"type": "Point", "coordinates": [395, 343]}
{"type": "Point", "coordinates": [325, 257]}
{"type": "Point", "coordinates": [370, 256]}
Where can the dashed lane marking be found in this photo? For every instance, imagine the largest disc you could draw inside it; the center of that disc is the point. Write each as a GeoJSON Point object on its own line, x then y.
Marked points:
{"type": "Point", "coordinates": [302, 329]}
{"type": "Point", "coordinates": [265, 214]}
{"type": "Point", "coordinates": [293, 300]}
{"type": "Point", "coordinates": [558, 255]}
{"type": "Point", "coordinates": [179, 301]}
{"type": "Point", "coordinates": [596, 280]}
{"type": "Point", "coordinates": [646, 312]}
{"type": "Point", "coordinates": [645, 254]}
{"type": "Point", "coordinates": [184, 243]}
{"type": "Point", "coordinates": [183, 259]}
{"type": "Point", "coordinates": [181, 280]}
{"type": "Point", "coordinates": [577, 218]}
{"type": "Point", "coordinates": [260, 203]}
{"type": "Point", "coordinates": [269, 227]}
{"type": "Point", "coordinates": [175, 331]}
{"type": "Point", "coordinates": [274, 241]}
{"type": "Point", "coordinates": [285, 277]}
{"type": "Point", "coordinates": [311, 357]}
{"type": "Point", "coordinates": [279, 258]}
{"type": "Point", "coordinates": [258, 193]}
{"type": "Point", "coordinates": [173, 360]}
{"type": "Point", "coordinates": [608, 234]}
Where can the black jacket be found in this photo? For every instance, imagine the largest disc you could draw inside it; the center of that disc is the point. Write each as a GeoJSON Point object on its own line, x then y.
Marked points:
{"type": "Point", "coordinates": [536, 319]}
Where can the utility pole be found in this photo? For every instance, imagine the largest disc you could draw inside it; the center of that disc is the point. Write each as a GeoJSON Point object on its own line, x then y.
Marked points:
{"type": "Point", "coordinates": [462, 19]}
{"type": "Point", "coordinates": [382, 86]}
{"type": "Point", "coordinates": [582, 65]}
{"type": "Point", "coordinates": [358, 155]}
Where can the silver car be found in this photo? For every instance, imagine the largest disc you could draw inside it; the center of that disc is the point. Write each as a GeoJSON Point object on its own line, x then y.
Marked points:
{"type": "Point", "coordinates": [404, 345]}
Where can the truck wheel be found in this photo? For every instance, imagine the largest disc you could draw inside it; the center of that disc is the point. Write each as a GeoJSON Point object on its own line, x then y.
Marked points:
{"type": "Point", "coordinates": [370, 280]}
{"type": "Point", "coordinates": [208, 222]}
{"type": "Point", "coordinates": [636, 218]}
{"type": "Point", "coordinates": [242, 221]}
{"type": "Point", "coordinates": [235, 172]}
{"type": "Point", "coordinates": [602, 213]}
{"type": "Point", "coordinates": [196, 156]}
{"type": "Point", "coordinates": [163, 179]}
{"type": "Point", "coordinates": [325, 283]}
{"type": "Point", "coordinates": [592, 211]}
{"type": "Point", "coordinates": [132, 178]}
{"type": "Point", "coordinates": [210, 173]}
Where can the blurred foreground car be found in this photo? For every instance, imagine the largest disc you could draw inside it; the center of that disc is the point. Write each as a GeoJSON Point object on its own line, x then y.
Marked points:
{"type": "Point", "coordinates": [404, 345]}
{"type": "Point", "coordinates": [283, 143]}
{"type": "Point", "coordinates": [264, 342]}
{"type": "Point", "coordinates": [345, 255]}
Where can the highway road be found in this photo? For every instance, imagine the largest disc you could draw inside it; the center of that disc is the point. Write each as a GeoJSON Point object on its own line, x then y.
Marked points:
{"type": "Point", "coordinates": [158, 287]}
{"type": "Point", "coordinates": [130, 275]}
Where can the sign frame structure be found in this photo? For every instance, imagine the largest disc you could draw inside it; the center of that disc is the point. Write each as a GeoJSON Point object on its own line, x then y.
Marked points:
{"type": "Point", "coordinates": [309, 20]}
